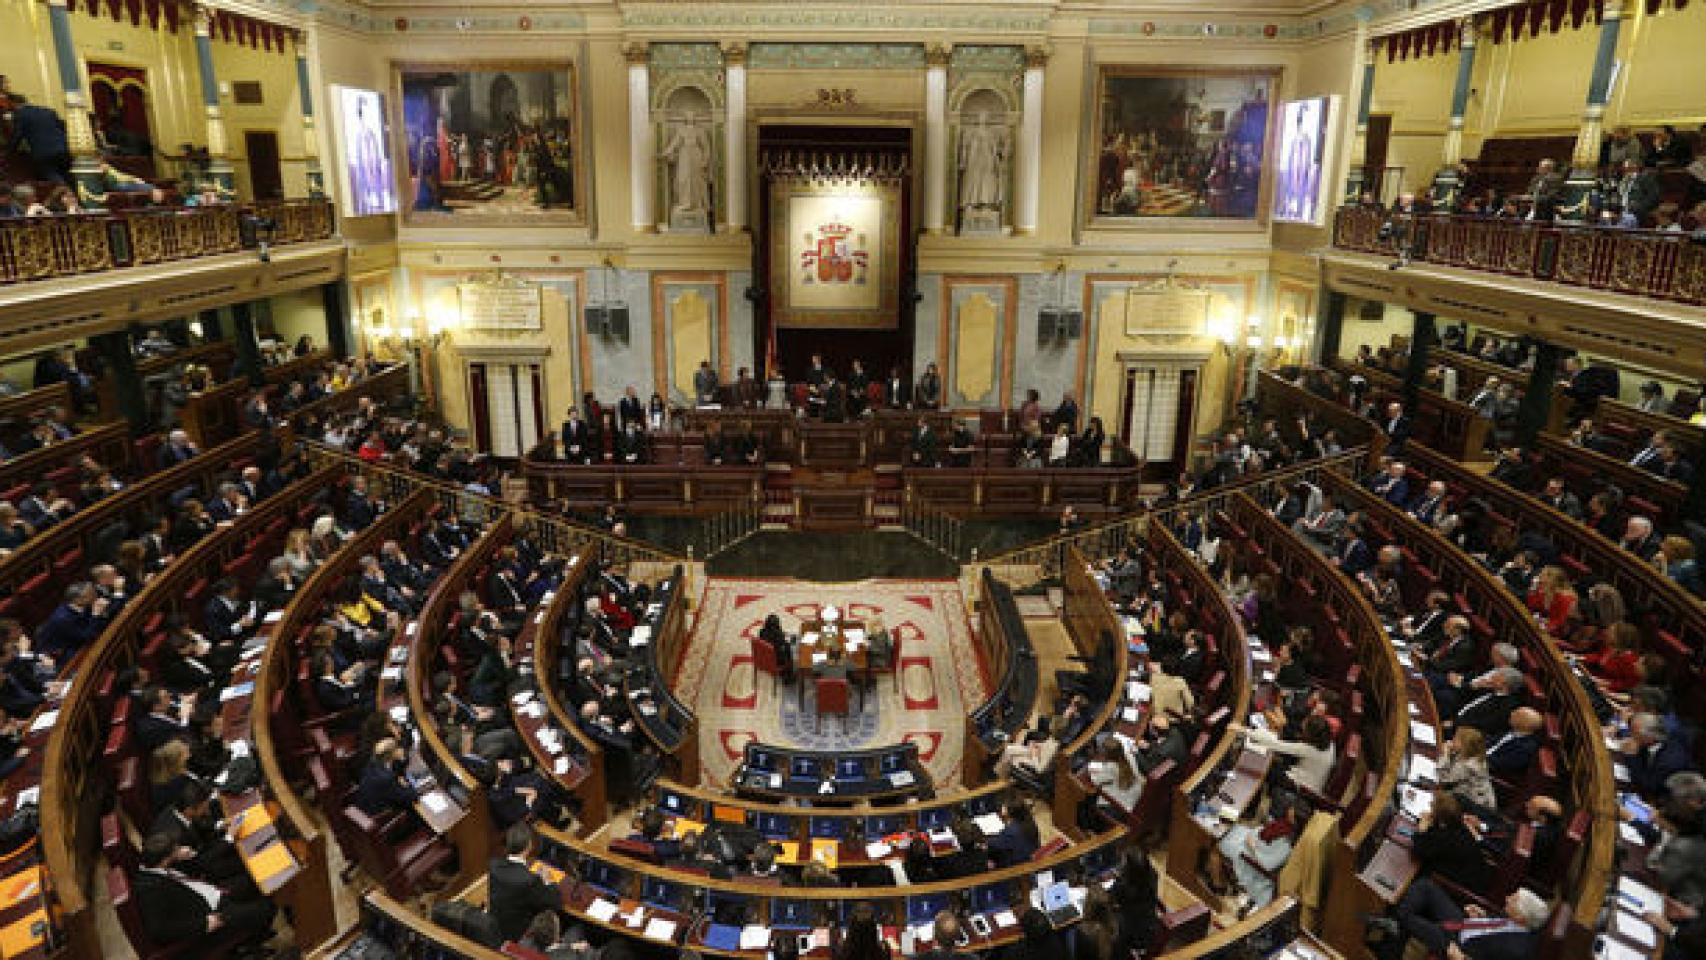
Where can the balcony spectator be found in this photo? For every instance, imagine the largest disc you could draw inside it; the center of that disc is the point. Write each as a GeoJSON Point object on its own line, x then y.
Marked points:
{"type": "Point", "coordinates": [928, 395]}
{"type": "Point", "coordinates": [1544, 191]}
{"type": "Point", "coordinates": [1637, 190]}
{"type": "Point", "coordinates": [109, 180]}
{"type": "Point", "coordinates": [1620, 146]}
{"type": "Point", "coordinates": [39, 133]}
{"type": "Point", "coordinates": [1667, 149]}
{"type": "Point", "coordinates": [24, 198]}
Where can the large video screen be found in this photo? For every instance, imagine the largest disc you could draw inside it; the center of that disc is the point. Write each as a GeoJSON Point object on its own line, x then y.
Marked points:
{"type": "Point", "coordinates": [369, 185]}
{"type": "Point", "coordinates": [1303, 152]}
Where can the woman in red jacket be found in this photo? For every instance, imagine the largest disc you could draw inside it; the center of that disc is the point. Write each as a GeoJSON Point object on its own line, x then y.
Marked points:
{"type": "Point", "coordinates": [1618, 666]}
{"type": "Point", "coordinates": [1553, 600]}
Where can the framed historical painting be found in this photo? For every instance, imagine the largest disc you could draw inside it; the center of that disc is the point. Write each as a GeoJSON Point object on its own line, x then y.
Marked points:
{"type": "Point", "coordinates": [1171, 143]}
{"type": "Point", "coordinates": [835, 253]}
{"type": "Point", "coordinates": [498, 143]}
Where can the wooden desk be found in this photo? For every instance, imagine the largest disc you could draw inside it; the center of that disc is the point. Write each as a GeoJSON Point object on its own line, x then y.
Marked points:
{"type": "Point", "coordinates": [816, 634]}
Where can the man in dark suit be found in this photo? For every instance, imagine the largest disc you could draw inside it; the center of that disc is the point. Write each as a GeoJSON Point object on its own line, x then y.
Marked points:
{"type": "Point", "coordinates": [1651, 755]}
{"type": "Point", "coordinates": [1511, 467]}
{"type": "Point", "coordinates": [1431, 505]}
{"type": "Point", "coordinates": [631, 409]}
{"type": "Point", "coordinates": [277, 588]}
{"type": "Point", "coordinates": [164, 721]}
{"type": "Point", "coordinates": [1490, 712]}
{"type": "Point", "coordinates": [1558, 497]}
{"type": "Point", "coordinates": [897, 390]}
{"type": "Point", "coordinates": [39, 132]}
{"type": "Point", "coordinates": [1639, 537]}
{"type": "Point", "coordinates": [1164, 741]}
{"type": "Point", "coordinates": [1354, 555]}
{"type": "Point", "coordinates": [577, 439]}
{"type": "Point", "coordinates": [834, 398]}
{"type": "Point", "coordinates": [1393, 486]}
{"type": "Point", "coordinates": [1673, 465]}
{"type": "Point", "coordinates": [227, 616]}
{"type": "Point", "coordinates": [382, 789]}
{"type": "Point", "coordinates": [438, 548]}
{"type": "Point", "coordinates": [359, 510]}
{"type": "Point", "coordinates": [190, 823]}
{"type": "Point", "coordinates": [1448, 930]}
{"type": "Point", "coordinates": [505, 594]}
{"type": "Point", "coordinates": [177, 449]}
{"type": "Point", "coordinates": [177, 908]}
{"type": "Point", "coordinates": [924, 451]}
{"type": "Point", "coordinates": [72, 625]}
{"type": "Point", "coordinates": [1638, 191]}
{"type": "Point", "coordinates": [631, 446]}
{"type": "Point", "coordinates": [514, 894]}
{"type": "Point", "coordinates": [1512, 754]}
{"type": "Point", "coordinates": [1397, 425]}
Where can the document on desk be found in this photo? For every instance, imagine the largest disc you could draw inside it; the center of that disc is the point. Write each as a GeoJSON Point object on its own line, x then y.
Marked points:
{"type": "Point", "coordinates": [435, 802]}
{"type": "Point", "coordinates": [1005, 919]}
{"type": "Point", "coordinates": [754, 938]}
{"type": "Point", "coordinates": [44, 721]}
{"type": "Point", "coordinates": [1423, 769]}
{"type": "Point", "coordinates": [990, 823]}
{"type": "Point", "coordinates": [641, 636]}
{"type": "Point", "coordinates": [660, 929]}
{"type": "Point", "coordinates": [901, 778]}
{"type": "Point", "coordinates": [1423, 733]}
{"type": "Point", "coordinates": [1626, 924]}
{"type": "Point", "coordinates": [636, 919]}
{"type": "Point", "coordinates": [878, 850]}
{"type": "Point", "coordinates": [1137, 691]}
{"type": "Point", "coordinates": [601, 910]}
{"type": "Point", "coordinates": [1642, 898]}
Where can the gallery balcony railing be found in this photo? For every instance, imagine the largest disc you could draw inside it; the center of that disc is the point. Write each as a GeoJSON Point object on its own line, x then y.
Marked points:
{"type": "Point", "coordinates": [43, 248]}
{"type": "Point", "coordinates": [1642, 263]}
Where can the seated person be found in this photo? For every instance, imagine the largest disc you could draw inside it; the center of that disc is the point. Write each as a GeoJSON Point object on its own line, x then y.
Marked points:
{"type": "Point", "coordinates": [1445, 845]}
{"type": "Point", "coordinates": [514, 894]}
{"type": "Point", "coordinates": [1033, 755]}
{"type": "Point", "coordinates": [383, 788]}
{"type": "Point", "coordinates": [1313, 752]}
{"type": "Point", "coordinates": [176, 908]}
{"type": "Point", "coordinates": [1429, 915]}
{"type": "Point", "coordinates": [1253, 856]}
{"type": "Point", "coordinates": [1115, 774]}
{"type": "Point", "coordinates": [1019, 838]}
{"type": "Point", "coordinates": [961, 444]}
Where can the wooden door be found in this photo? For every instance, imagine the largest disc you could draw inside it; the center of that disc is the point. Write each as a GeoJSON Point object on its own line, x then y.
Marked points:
{"type": "Point", "coordinates": [265, 178]}
{"type": "Point", "coordinates": [1374, 155]}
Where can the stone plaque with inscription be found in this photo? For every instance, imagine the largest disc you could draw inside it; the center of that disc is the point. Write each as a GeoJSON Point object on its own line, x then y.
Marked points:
{"type": "Point", "coordinates": [503, 304]}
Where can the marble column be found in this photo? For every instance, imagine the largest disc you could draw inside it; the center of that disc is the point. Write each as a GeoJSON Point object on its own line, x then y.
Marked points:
{"type": "Point", "coordinates": [85, 162]}
{"type": "Point", "coordinates": [1361, 178]}
{"type": "Point", "coordinates": [120, 361]}
{"type": "Point", "coordinates": [218, 147]}
{"type": "Point", "coordinates": [1584, 163]}
{"type": "Point", "coordinates": [310, 137]}
{"type": "Point", "coordinates": [1535, 408]}
{"type": "Point", "coordinates": [1027, 174]}
{"type": "Point", "coordinates": [642, 142]}
{"type": "Point", "coordinates": [1423, 336]}
{"type": "Point", "coordinates": [734, 135]}
{"type": "Point", "coordinates": [1331, 326]}
{"type": "Point", "coordinates": [936, 135]}
{"type": "Point", "coordinates": [1447, 182]}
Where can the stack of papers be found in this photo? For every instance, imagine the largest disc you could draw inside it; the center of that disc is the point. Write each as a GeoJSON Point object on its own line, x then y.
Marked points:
{"type": "Point", "coordinates": [754, 938]}
{"type": "Point", "coordinates": [1423, 769]}
{"type": "Point", "coordinates": [1423, 733]}
{"type": "Point", "coordinates": [660, 929]}
{"type": "Point", "coordinates": [990, 823]}
{"type": "Point", "coordinates": [601, 910]}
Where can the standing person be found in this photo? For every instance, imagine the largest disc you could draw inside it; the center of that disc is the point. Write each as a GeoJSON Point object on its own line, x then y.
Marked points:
{"type": "Point", "coordinates": [40, 133]}
{"type": "Point", "coordinates": [928, 395]}
{"type": "Point", "coordinates": [513, 893]}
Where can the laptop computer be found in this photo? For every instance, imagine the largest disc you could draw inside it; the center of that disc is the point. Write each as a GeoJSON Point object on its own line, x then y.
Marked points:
{"type": "Point", "coordinates": [1058, 905]}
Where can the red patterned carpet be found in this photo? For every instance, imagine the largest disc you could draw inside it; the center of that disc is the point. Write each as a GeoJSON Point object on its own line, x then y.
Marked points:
{"type": "Point", "coordinates": [940, 678]}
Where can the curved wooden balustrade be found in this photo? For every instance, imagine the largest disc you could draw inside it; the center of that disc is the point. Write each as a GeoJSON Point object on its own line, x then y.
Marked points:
{"type": "Point", "coordinates": [671, 727]}
{"type": "Point", "coordinates": [216, 414]}
{"type": "Point", "coordinates": [473, 833]}
{"type": "Point", "coordinates": [41, 248]}
{"type": "Point", "coordinates": [381, 386]}
{"type": "Point", "coordinates": [539, 642]}
{"type": "Point", "coordinates": [1588, 471]}
{"type": "Point", "coordinates": [1290, 403]}
{"type": "Point", "coordinates": [1004, 645]}
{"type": "Point", "coordinates": [1673, 618]}
{"type": "Point", "coordinates": [1384, 727]}
{"type": "Point", "coordinates": [22, 406]}
{"type": "Point", "coordinates": [554, 534]}
{"type": "Point", "coordinates": [1213, 614]}
{"type": "Point", "coordinates": [33, 576]}
{"type": "Point", "coordinates": [1448, 425]}
{"type": "Point", "coordinates": [1497, 613]}
{"type": "Point", "coordinates": [1091, 622]}
{"type": "Point", "coordinates": [315, 925]}
{"type": "Point", "coordinates": [108, 443]}
{"type": "Point", "coordinates": [75, 784]}
{"type": "Point", "coordinates": [1643, 263]}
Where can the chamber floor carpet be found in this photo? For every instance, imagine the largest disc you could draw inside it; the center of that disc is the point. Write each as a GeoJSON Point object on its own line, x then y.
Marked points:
{"type": "Point", "coordinates": [941, 676]}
